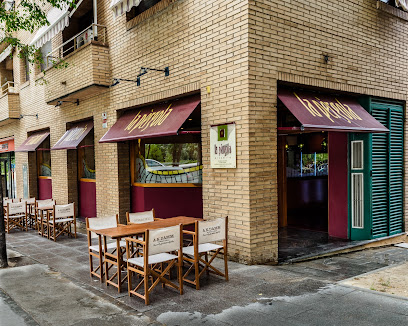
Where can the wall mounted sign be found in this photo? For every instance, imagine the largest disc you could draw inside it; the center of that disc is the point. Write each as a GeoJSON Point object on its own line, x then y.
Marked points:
{"type": "Point", "coordinates": [104, 120]}
{"type": "Point", "coordinates": [7, 146]}
{"type": "Point", "coordinates": [223, 146]}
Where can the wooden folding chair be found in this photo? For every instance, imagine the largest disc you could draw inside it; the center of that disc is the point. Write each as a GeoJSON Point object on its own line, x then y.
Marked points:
{"type": "Point", "coordinates": [206, 232]}
{"type": "Point", "coordinates": [61, 221]}
{"type": "Point", "coordinates": [15, 217]}
{"type": "Point", "coordinates": [140, 217]}
{"type": "Point", "coordinates": [158, 248]}
{"type": "Point", "coordinates": [42, 209]}
{"type": "Point", "coordinates": [31, 217]}
{"type": "Point", "coordinates": [6, 201]}
{"type": "Point", "coordinates": [97, 223]}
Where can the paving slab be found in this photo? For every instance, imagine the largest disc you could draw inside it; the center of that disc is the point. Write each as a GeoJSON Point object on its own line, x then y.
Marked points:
{"type": "Point", "coordinates": [52, 299]}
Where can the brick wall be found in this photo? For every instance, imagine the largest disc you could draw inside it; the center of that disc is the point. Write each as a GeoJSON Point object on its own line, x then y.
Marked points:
{"type": "Point", "coordinates": [242, 50]}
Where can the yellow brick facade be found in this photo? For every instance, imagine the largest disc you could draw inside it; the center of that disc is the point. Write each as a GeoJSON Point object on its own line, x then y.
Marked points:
{"type": "Point", "coordinates": [241, 49]}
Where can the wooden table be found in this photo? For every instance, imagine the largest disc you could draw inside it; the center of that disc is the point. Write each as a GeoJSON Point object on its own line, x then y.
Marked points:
{"type": "Point", "coordinates": [133, 229]}
{"type": "Point", "coordinates": [129, 230]}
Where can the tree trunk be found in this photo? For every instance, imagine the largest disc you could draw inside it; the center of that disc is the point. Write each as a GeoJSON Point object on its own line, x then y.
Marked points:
{"type": "Point", "coordinates": [3, 251]}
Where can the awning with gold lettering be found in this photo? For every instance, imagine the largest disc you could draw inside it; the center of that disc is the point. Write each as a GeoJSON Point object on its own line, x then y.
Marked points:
{"type": "Point", "coordinates": [162, 119]}
{"type": "Point", "coordinates": [72, 138]}
{"type": "Point", "coordinates": [322, 112]}
{"type": "Point", "coordinates": [32, 142]}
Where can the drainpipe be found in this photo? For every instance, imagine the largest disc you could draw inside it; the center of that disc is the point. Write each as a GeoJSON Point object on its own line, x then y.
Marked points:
{"type": "Point", "coordinates": [95, 19]}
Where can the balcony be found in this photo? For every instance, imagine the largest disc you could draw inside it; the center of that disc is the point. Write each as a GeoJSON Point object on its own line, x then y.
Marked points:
{"type": "Point", "coordinates": [79, 68]}
{"type": "Point", "coordinates": [9, 104]}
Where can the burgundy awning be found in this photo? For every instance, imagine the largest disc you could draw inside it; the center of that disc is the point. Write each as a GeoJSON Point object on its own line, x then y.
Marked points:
{"type": "Point", "coordinates": [163, 119]}
{"type": "Point", "coordinates": [72, 138]}
{"type": "Point", "coordinates": [32, 142]}
{"type": "Point", "coordinates": [317, 112]}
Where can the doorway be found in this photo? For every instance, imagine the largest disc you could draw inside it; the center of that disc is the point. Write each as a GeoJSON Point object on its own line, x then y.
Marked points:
{"type": "Point", "coordinates": [8, 174]}
{"type": "Point", "coordinates": [306, 169]}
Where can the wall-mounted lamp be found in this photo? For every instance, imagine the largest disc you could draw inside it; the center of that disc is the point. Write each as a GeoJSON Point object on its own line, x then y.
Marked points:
{"type": "Point", "coordinates": [326, 58]}
{"type": "Point", "coordinates": [28, 115]}
{"type": "Point", "coordinates": [59, 103]}
{"type": "Point", "coordinates": [143, 71]}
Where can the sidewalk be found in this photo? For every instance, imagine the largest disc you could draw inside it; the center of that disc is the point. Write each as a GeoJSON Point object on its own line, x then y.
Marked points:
{"type": "Point", "coordinates": [51, 284]}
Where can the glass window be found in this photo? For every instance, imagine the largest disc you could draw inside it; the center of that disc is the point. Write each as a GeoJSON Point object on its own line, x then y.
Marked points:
{"type": "Point", "coordinates": [168, 163]}
{"type": "Point", "coordinates": [86, 156]}
{"type": "Point", "coordinates": [44, 158]}
{"type": "Point", "coordinates": [27, 69]}
{"type": "Point", "coordinates": [45, 50]}
{"type": "Point", "coordinates": [142, 7]}
{"type": "Point", "coordinates": [307, 156]}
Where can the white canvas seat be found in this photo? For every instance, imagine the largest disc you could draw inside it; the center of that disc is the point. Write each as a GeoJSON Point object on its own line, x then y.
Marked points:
{"type": "Point", "coordinates": [111, 245]}
{"type": "Point", "coordinates": [205, 247]}
{"type": "Point", "coordinates": [61, 221]}
{"type": "Point", "coordinates": [15, 216]}
{"type": "Point", "coordinates": [98, 250]}
{"type": "Point", "coordinates": [153, 259]}
{"type": "Point", "coordinates": [159, 246]}
{"type": "Point", "coordinates": [204, 236]}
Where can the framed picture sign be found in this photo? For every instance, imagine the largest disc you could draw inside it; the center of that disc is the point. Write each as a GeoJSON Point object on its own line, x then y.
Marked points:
{"type": "Point", "coordinates": [223, 146]}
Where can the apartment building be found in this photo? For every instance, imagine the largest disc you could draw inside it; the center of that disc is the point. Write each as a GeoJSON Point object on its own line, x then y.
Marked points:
{"type": "Point", "coordinates": [119, 116]}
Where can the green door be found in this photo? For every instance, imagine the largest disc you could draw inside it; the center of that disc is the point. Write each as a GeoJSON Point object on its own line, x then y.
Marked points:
{"type": "Point", "coordinates": [359, 186]}
{"type": "Point", "coordinates": [388, 170]}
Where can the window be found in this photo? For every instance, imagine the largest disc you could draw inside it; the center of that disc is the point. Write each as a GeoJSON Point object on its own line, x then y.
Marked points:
{"type": "Point", "coordinates": [142, 7]}
{"type": "Point", "coordinates": [86, 158]}
{"type": "Point", "coordinates": [27, 69]}
{"type": "Point", "coordinates": [357, 155]}
{"type": "Point", "coordinates": [307, 155]}
{"type": "Point", "coordinates": [160, 161]}
{"type": "Point", "coordinates": [45, 50]}
{"type": "Point", "coordinates": [44, 159]}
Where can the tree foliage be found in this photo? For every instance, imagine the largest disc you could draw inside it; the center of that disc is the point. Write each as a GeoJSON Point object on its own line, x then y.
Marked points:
{"type": "Point", "coordinates": [28, 16]}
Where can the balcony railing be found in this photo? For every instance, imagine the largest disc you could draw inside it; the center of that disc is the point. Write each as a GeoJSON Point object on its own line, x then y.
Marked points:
{"type": "Point", "coordinates": [8, 87]}
{"type": "Point", "coordinates": [94, 32]}
{"type": "Point", "coordinates": [9, 103]}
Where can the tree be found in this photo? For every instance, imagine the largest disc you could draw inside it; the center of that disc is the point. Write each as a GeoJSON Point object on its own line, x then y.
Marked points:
{"type": "Point", "coordinates": [29, 16]}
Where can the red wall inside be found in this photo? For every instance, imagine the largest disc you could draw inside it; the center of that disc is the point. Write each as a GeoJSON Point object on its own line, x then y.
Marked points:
{"type": "Point", "coordinates": [87, 199]}
{"type": "Point", "coordinates": [44, 189]}
{"type": "Point", "coordinates": [168, 202]}
{"type": "Point", "coordinates": [338, 185]}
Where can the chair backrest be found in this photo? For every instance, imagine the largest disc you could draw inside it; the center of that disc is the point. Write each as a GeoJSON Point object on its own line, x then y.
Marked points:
{"type": "Point", "coordinates": [45, 203]}
{"type": "Point", "coordinates": [98, 223]}
{"type": "Point", "coordinates": [9, 201]}
{"type": "Point", "coordinates": [28, 200]}
{"type": "Point", "coordinates": [210, 231]}
{"type": "Point", "coordinates": [61, 211]}
{"type": "Point", "coordinates": [140, 217]}
{"type": "Point", "coordinates": [16, 208]}
{"type": "Point", "coordinates": [163, 240]}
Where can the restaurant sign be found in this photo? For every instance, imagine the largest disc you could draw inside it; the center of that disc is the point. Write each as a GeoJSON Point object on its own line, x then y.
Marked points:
{"type": "Point", "coordinates": [73, 137]}
{"type": "Point", "coordinates": [223, 146]}
{"type": "Point", "coordinates": [7, 146]}
{"type": "Point", "coordinates": [320, 111]}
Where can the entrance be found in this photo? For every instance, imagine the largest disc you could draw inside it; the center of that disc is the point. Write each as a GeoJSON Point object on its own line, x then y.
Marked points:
{"type": "Point", "coordinates": [307, 169]}
{"type": "Point", "coordinates": [8, 174]}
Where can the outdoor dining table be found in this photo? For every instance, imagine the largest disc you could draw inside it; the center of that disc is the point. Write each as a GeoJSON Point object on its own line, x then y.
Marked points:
{"type": "Point", "coordinates": [123, 231]}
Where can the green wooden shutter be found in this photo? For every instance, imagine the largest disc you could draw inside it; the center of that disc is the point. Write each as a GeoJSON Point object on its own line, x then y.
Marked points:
{"type": "Point", "coordinates": [396, 168]}
{"type": "Point", "coordinates": [387, 171]}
